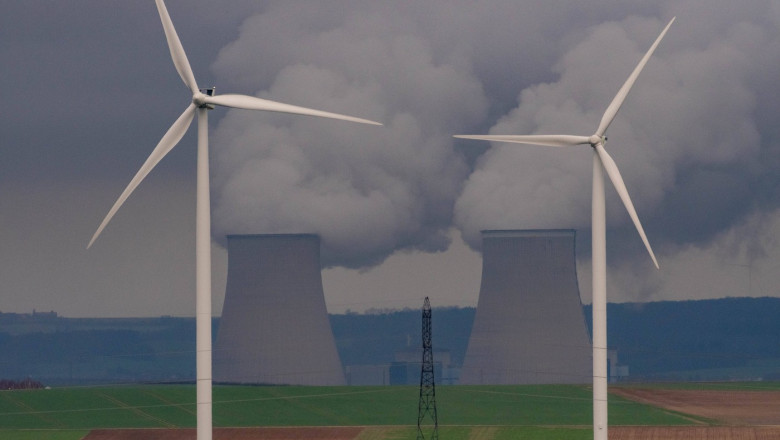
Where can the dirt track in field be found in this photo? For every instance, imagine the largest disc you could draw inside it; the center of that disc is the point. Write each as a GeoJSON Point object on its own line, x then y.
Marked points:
{"type": "Point", "coordinates": [324, 433]}
{"type": "Point", "coordinates": [745, 408]}
{"type": "Point", "coordinates": [615, 433]}
{"type": "Point", "coordinates": [478, 433]}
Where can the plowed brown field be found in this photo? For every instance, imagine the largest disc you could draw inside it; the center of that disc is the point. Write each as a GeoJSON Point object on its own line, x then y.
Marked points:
{"type": "Point", "coordinates": [747, 408]}
{"type": "Point", "coordinates": [694, 433]}
{"type": "Point", "coordinates": [748, 414]}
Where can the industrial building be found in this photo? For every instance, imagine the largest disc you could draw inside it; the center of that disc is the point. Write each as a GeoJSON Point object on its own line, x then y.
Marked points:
{"type": "Point", "coordinates": [529, 327]}
{"type": "Point", "coordinates": [274, 327]}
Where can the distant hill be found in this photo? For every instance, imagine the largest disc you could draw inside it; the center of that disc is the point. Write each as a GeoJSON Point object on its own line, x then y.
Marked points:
{"type": "Point", "coordinates": [723, 339]}
{"type": "Point", "coordinates": [57, 350]}
{"type": "Point", "coordinates": [697, 340]}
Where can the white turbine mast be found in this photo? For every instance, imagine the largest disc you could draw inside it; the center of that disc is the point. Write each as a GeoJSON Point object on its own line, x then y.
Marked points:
{"type": "Point", "coordinates": [602, 161]}
{"type": "Point", "coordinates": [201, 102]}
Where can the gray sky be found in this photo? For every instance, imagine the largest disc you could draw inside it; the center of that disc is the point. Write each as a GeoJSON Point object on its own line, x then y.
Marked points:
{"type": "Point", "coordinates": [89, 89]}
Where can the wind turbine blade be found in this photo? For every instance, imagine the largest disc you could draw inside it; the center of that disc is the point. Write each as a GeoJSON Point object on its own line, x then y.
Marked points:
{"type": "Point", "coordinates": [547, 140]}
{"type": "Point", "coordinates": [166, 144]}
{"type": "Point", "coordinates": [177, 50]}
{"type": "Point", "coordinates": [617, 101]}
{"type": "Point", "coordinates": [254, 103]}
{"type": "Point", "coordinates": [617, 180]}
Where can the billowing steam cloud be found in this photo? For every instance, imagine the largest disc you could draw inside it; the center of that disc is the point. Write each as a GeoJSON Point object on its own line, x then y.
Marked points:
{"type": "Point", "coordinates": [366, 190]}
{"type": "Point", "coordinates": [691, 110]}
{"type": "Point", "coordinates": [697, 140]}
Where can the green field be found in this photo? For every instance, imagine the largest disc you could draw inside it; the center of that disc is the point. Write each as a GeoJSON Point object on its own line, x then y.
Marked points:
{"type": "Point", "coordinates": [522, 411]}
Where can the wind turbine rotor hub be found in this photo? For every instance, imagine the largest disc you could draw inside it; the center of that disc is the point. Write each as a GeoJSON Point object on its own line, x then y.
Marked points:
{"type": "Point", "coordinates": [199, 99]}
{"type": "Point", "coordinates": [596, 139]}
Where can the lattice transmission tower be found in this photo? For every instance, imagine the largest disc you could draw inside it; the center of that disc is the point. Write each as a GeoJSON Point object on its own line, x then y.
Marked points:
{"type": "Point", "coordinates": [427, 405]}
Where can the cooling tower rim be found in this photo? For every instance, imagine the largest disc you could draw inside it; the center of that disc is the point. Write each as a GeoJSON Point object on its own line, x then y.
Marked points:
{"type": "Point", "coordinates": [291, 235]}
{"type": "Point", "coordinates": [519, 233]}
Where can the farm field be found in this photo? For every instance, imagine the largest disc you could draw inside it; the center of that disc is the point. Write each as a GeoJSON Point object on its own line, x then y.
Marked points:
{"type": "Point", "coordinates": [731, 407]}
{"type": "Point", "coordinates": [465, 412]}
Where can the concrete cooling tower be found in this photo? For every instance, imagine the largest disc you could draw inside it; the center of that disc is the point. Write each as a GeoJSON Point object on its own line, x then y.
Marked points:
{"type": "Point", "coordinates": [529, 326]}
{"type": "Point", "coordinates": [274, 327]}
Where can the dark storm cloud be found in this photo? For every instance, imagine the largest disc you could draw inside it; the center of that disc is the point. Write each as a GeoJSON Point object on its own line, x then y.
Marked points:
{"type": "Point", "coordinates": [92, 84]}
{"type": "Point", "coordinates": [89, 89]}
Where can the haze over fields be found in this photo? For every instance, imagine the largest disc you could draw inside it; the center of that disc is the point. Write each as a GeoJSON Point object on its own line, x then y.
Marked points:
{"type": "Point", "coordinates": [693, 340]}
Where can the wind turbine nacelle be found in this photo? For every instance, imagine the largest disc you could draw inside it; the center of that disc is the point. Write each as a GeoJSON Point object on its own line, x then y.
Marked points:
{"type": "Point", "coordinates": [198, 98]}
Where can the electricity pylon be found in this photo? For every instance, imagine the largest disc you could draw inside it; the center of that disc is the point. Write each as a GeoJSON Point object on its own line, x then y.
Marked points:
{"type": "Point", "coordinates": [427, 405]}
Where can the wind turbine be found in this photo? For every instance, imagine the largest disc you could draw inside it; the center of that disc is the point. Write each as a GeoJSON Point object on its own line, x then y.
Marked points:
{"type": "Point", "coordinates": [602, 161]}
{"type": "Point", "coordinates": [201, 102]}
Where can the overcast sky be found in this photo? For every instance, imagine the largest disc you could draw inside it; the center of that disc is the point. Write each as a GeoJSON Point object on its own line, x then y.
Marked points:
{"type": "Point", "coordinates": [88, 90]}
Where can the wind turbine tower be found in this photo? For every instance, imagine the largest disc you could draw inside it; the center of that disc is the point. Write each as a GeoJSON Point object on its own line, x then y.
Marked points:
{"type": "Point", "coordinates": [200, 104]}
{"type": "Point", "coordinates": [602, 162]}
